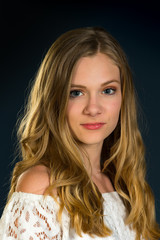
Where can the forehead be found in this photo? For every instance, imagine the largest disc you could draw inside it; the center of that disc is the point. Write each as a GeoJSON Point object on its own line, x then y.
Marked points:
{"type": "Point", "coordinates": [98, 67]}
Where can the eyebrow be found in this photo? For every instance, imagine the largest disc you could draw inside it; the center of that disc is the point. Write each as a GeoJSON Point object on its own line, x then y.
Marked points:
{"type": "Point", "coordinates": [103, 84]}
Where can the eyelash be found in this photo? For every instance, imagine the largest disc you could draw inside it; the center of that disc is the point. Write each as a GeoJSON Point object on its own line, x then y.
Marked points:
{"type": "Point", "coordinates": [75, 91]}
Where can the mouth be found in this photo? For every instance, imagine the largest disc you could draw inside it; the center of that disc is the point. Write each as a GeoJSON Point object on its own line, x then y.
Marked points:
{"type": "Point", "coordinates": [93, 126]}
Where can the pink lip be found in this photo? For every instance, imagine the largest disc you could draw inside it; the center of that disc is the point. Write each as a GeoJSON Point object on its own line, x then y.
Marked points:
{"type": "Point", "coordinates": [92, 126]}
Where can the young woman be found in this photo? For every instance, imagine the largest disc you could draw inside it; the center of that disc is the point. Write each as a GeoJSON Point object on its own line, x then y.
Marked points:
{"type": "Point", "coordinates": [82, 174]}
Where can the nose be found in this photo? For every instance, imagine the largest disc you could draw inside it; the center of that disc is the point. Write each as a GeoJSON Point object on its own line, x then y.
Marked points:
{"type": "Point", "coordinates": [93, 106]}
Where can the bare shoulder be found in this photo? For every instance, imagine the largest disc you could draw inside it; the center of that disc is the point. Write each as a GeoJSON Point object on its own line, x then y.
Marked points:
{"type": "Point", "coordinates": [34, 180]}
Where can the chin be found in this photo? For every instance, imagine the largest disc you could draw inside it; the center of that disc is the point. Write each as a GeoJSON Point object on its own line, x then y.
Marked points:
{"type": "Point", "coordinates": [91, 141]}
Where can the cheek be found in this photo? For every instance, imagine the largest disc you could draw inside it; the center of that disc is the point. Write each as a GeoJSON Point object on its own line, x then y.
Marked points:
{"type": "Point", "coordinates": [73, 111]}
{"type": "Point", "coordinates": [114, 109]}
{"type": "Point", "coordinates": [117, 103]}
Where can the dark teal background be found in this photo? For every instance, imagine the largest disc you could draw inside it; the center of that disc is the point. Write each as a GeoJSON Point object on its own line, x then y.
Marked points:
{"type": "Point", "coordinates": [28, 30]}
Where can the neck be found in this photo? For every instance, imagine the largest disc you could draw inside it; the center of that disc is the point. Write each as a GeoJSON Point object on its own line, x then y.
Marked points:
{"type": "Point", "coordinates": [94, 154]}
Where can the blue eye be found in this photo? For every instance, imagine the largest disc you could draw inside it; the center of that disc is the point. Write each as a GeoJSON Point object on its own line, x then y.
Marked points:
{"type": "Point", "coordinates": [109, 91]}
{"type": "Point", "coordinates": [75, 93]}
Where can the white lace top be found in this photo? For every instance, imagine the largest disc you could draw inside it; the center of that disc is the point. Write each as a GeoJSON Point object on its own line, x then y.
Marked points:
{"type": "Point", "coordinates": [33, 217]}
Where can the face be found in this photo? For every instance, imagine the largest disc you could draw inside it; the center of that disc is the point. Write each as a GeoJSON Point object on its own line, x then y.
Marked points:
{"type": "Point", "coordinates": [95, 99]}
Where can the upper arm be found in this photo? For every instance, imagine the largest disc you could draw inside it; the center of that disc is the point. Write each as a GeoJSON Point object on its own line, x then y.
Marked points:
{"type": "Point", "coordinates": [35, 180]}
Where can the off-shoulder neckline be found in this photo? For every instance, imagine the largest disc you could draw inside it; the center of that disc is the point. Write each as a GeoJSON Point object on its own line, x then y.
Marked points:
{"type": "Point", "coordinates": [105, 194]}
{"type": "Point", "coordinates": [109, 193]}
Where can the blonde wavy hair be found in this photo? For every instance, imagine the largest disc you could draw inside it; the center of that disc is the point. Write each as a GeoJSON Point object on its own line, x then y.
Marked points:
{"type": "Point", "coordinates": [45, 138]}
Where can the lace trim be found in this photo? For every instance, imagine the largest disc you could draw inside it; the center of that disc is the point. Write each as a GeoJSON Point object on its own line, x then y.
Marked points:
{"type": "Point", "coordinates": [34, 217]}
{"type": "Point", "coordinates": [31, 217]}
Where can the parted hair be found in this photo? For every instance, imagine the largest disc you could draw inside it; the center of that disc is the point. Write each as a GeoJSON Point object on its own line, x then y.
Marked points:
{"type": "Point", "coordinates": [45, 138]}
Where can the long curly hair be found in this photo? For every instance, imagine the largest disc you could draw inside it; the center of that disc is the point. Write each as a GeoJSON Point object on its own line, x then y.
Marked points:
{"type": "Point", "coordinates": [45, 138]}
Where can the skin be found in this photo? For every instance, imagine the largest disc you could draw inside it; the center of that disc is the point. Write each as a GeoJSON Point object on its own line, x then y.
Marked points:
{"type": "Point", "coordinates": [94, 103]}
{"type": "Point", "coordinates": [99, 100]}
